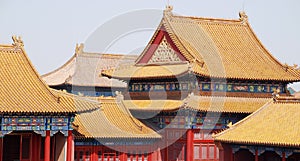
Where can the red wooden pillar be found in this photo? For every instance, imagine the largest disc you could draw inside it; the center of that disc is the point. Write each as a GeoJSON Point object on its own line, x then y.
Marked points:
{"type": "Point", "coordinates": [123, 156]}
{"type": "Point", "coordinates": [283, 156]}
{"type": "Point", "coordinates": [166, 158]}
{"type": "Point", "coordinates": [34, 143]}
{"type": "Point", "coordinates": [69, 145]}
{"type": "Point", "coordinates": [47, 146]}
{"type": "Point", "coordinates": [221, 155]}
{"type": "Point", "coordinates": [189, 145]}
{"type": "Point", "coordinates": [256, 155]}
{"type": "Point", "coordinates": [96, 157]}
{"type": "Point", "coordinates": [150, 156]}
{"type": "Point", "coordinates": [231, 155]}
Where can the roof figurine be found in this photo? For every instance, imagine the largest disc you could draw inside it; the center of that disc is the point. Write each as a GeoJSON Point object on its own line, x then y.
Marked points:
{"type": "Point", "coordinates": [119, 96]}
{"type": "Point", "coordinates": [18, 42]}
{"type": "Point", "coordinates": [79, 48]}
{"type": "Point", "coordinates": [168, 9]}
{"type": "Point", "coordinates": [243, 16]}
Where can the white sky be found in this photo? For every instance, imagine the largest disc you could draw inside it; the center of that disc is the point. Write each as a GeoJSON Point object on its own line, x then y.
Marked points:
{"type": "Point", "coordinates": [50, 29]}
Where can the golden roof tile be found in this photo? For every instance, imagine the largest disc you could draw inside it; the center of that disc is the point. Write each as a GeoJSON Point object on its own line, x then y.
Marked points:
{"type": "Point", "coordinates": [274, 124]}
{"type": "Point", "coordinates": [225, 104]}
{"type": "Point", "coordinates": [221, 48]}
{"type": "Point", "coordinates": [78, 103]}
{"type": "Point", "coordinates": [21, 88]}
{"type": "Point", "coordinates": [200, 103]}
{"type": "Point", "coordinates": [153, 105]}
{"type": "Point", "coordinates": [112, 120]}
{"type": "Point", "coordinates": [148, 71]}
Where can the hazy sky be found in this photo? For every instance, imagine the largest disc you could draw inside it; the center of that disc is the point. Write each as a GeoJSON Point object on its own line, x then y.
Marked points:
{"type": "Point", "coordinates": [50, 29]}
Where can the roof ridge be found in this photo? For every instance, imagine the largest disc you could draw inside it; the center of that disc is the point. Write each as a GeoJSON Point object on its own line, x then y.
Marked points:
{"type": "Point", "coordinates": [103, 54]}
{"type": "Point", "coordinates": [265, 49]}
{"type": "Point", "coordinates": [286, 99]}
{"type": "Point", "coordinates": [73, 95]}
{"type": "Point", "coordinates": [172, 35]}
{"type": "Point", "coordinates": [169, 8]}
{"type": "Point", "coordinates": [59, 68]}
{"type": "Point", "coordinates": [35, 71]}
{"type": "Point", "coordinates": [207, 19]}
{"type": "Point", "coordinates": [6, 45]}
{"type": "Point", "coordinates": [234, 97]}
{"type": "Point", "coordinates": [162, 64]}
{"type": "Point", "coordinates": [150, 42]}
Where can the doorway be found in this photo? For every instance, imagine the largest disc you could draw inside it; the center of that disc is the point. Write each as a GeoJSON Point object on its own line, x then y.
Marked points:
{"type": "Point", "coordinates": [16, 147]}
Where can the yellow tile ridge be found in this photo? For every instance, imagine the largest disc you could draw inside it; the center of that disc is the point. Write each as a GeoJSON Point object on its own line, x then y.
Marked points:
{"type": "Point", "coordinates": [210, 19]}
{"type": "Point", "coordinates": [287, 99]}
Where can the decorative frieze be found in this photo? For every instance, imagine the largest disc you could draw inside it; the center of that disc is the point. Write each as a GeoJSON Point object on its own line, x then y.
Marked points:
{"type": "Point", "coordinates": [193, 120]}
{"type": "Point", "coordinates": [39, 124]}
{"type": "Point", "coordinates": [205, 86]}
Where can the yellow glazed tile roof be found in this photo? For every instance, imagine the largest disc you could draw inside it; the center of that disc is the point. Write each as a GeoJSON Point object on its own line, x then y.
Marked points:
{"type": "Point", "coordinates": [112, 120]}
{"type": "Point", "coordinates": [225, 104]}
{"type": "Point", "coordinates": [79, 103]}
{"type": "Point", "coordinates": [147, 71]}
{"type": "Point", "coordinates": [153, 105]}
{"type": "Point", "coordinates": [221, 48]}
{"type": "Point", "coordinates": [21, 88]}
{"type": "Point", "coordinates": [83, 69]}
{"type": "Point", "coordinates": [200, 103]}
{"type": "Point", "coordinates": [274, 124]}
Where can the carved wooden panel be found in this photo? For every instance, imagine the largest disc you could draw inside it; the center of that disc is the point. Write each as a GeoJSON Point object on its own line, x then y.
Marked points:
{"type": "Point", "coordinates": [164, 53]}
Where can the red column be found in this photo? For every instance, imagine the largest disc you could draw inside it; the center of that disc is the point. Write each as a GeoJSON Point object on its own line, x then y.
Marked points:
{"type": "Point", "coordinates": [231, 155]}
{"type": "Point", "coordinates": [166, 153]}
{"type": "Point", "coordinates": [221, 155]}
{"type": "Point", "coordinates": [189, 145]}
{"type": "Point", "coordinates": [283, 156]}
{"type": "Point", "coordinates": [150, 156]}
{"type": "Point", "coordinates": [34, 148]}
{"type": "Point", "coordinates": [69, 145]}
{"type": "Point", "coordinates": [122, 156]}
{"type": "Point", "coordinates": [94, 153]}
{"type": "Point", "coordinates": [256, 155]}
{"type": "Point", "coordinates": [47, 146]}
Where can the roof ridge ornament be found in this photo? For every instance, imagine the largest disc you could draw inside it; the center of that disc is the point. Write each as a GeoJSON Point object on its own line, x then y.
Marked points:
{"type": "Point", "coordinates": [79, 48]}
{"type": "Point", "coordinates": [119, 96]}
{"type": "Point", "coordinates": [275, 94]}
{"type": "Point", "coordinates": [18, 42]}
{"type": "Point", "coordinates": [168, 10]}
{"type": "Point", "coordinates": [243, 16]}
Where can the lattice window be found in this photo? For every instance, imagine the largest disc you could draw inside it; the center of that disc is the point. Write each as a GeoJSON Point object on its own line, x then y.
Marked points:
{"type": "Point", "coordinates": [164, 53]}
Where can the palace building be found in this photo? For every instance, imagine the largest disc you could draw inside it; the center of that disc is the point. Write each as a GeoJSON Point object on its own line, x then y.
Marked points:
{"type": "Point", "coordinates": [204, 89]}
{"type": "Point", "coordinates": [80, 75]}
{"type": "Point", "coordinates": [43, 124]}
{"type": "Point", "coordinates": [35, 121]}
{"type": "Point", "coordinates": [220, 71]}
